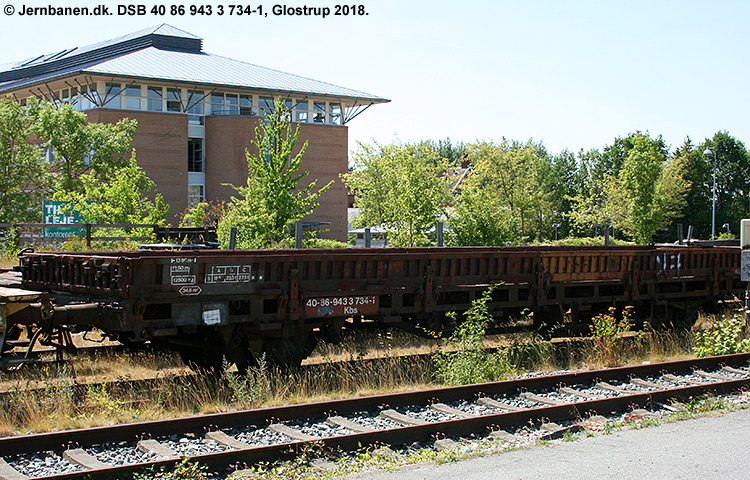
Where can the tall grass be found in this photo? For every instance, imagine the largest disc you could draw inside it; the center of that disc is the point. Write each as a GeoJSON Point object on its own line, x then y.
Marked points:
{"type": "Point", "coordinates": [365, 363]}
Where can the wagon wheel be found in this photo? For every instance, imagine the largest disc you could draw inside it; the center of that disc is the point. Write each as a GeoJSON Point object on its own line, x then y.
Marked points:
{"type": "Point", "coordinates": [134, 345]}
{"type": "Point", "coordinates": [203, 353]}
{"type": "Point", "coordinates": [288, 354]}
{"type": "Point", "coordinates": [202, 360]}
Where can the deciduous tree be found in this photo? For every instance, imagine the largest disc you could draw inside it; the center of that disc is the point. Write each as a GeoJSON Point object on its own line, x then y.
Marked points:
{"type": "Point", "coordinates": [21, 171]}
{"type": "Point", "coordinates": [77, 146]}
{"type": "Point", "coordinates": [272, 200]}
{"type": "Point", "coordinates": [402, 187]}
{"type": "Point", "coordinates": [119, 198]}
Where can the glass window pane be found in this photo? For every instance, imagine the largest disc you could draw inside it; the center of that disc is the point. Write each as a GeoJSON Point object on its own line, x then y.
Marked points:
{"type": "Point", "coordinates": [112, 89]}
{"type": "Point", "coordinates": [195, 155]}
{"type": "Point", "coordinates": [154, 105]}
{"type": "Point", "coordinates": [246, 105]}
{"type": "Point", "coordinates": [231, 102]}
{"type": "Point", "coordinates": [319, 112]}
{"type": "Point", "coordinates": [155, 96]}
{"type": "Point", "coordinates": [133, 91]}
{"type": "Point", "coordinates": [132, 103]}
{"type": "Point", "coordinates": [217, 103]}
{"type": "Point", "coordinates": [195, 195]}
{"type": "Point", "coordinates": [195, 102]}
{"type": "Point", "coordinates": [301, 110]}
{"type": "Point", "coordinates": [335, 110]}
{"type": "Point", "coordinates": [265, 105]}
{"type": "Point", "coordinates": [174, 97]}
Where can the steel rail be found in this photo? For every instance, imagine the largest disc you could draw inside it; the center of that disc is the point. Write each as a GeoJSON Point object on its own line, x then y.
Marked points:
{"type": "Point", "coordinates": [197, 424]}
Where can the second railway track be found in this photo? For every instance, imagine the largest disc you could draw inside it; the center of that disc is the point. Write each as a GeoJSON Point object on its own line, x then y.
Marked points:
{"type": "Point", "coordinates": [222, 441]}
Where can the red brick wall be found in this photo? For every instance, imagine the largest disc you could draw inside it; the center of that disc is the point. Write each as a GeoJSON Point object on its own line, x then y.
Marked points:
{"type": "Point", "coordinates": [325, 158]}
{"type": "Point", "coordinates": [227, 138]}
{"type": "Point", "coordinates": [160, 143]}
{"type": "Point", "coordinates": [161, 149]}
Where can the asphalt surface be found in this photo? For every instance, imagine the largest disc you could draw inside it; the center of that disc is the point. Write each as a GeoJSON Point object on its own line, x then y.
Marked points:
{"type": "Point", "coordinates": [704, 448]}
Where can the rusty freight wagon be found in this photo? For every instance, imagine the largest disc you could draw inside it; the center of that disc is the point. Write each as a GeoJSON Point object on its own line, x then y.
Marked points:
{"type": "Point", "coordinates": [240, 304]}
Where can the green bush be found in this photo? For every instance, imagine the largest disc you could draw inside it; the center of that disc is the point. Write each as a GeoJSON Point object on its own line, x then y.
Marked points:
{"type": "Point", "coordinates": [252, 389]}
{"type": "Point", "coordinates": [725, 337]}
{"type": "Point", "coordinates": [575, 241]}
{"type": "Point", "coordinates": [607, 330]}
{"type": "Point", "coordinates": [470, 362]}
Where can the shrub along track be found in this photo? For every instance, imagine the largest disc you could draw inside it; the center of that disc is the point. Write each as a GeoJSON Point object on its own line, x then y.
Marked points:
{"type": "Point", "coordinates": [227, 440]}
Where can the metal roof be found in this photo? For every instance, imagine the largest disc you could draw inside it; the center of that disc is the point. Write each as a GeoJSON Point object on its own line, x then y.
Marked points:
{"type": "Point", "coordinates": [207, 69]}
{"type": "Point", "coordinates": [165, 53]}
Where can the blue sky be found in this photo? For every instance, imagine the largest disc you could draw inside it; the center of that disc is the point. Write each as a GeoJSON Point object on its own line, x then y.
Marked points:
{"type": "Point", "coordinates": [572, 74]}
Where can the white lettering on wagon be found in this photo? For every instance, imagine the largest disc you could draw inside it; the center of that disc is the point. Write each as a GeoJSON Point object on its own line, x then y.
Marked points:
{"type": "Point", "coordinates": [183, 260]}
{"type": "Point", "coordinates": [340, 306]}
{"type": "Point", "coordinates": [183, 279]}
{"type": "Point", "coordinates": [191, 290]}
{"type": "Point", "coordinates": [229, 274]}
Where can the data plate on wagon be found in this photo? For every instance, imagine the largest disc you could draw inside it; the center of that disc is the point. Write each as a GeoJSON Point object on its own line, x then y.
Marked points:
{"type": "Point", "coordinates": [341, 306]}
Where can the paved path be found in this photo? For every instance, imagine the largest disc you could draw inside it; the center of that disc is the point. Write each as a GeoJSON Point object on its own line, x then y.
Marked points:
{"type": "Point", "coordinates": [705, 448]}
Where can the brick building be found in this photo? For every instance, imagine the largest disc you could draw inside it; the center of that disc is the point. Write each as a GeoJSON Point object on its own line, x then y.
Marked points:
{"type": "Point", "coordinates": [196, 112]}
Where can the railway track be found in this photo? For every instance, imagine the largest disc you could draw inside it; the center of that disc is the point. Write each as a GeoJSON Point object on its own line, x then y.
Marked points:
{"type": "Point", "coordinates": [224, 441]}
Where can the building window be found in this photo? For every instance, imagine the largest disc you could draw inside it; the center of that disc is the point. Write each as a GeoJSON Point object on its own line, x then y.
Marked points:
{"type": "Point", "coordinates": [246, 104]}
{"type": "Point", "coordinates": [265, 106]}
{"type": "Point", "coordinates": [334, 109]}
{"type": "Point", "coordinates": [174, 100]}
{"type": "Point", "coordinates": [88, 97]}
{"type": "Point", "coordinates": [195, 107]}
{"type": "Point", "coordinates": [217, 103]}
{"type": "Point", "coordinates": [300, 111]}
{"type": "Point", "coordinates": [155, 97]}
{"type": "Point", "coordinates": [319, 112]}
{"type": "Point", "coordinates": [232, 104]}
{"type": "Point", "coordinates": [195, 195]}
{"type": "Point", "coordinates": [195, 155]}
{"type": "Point", "coordinates": [112, 94]}
{"type": "Point", "coordinates": [133, 97]}
{"type": "Point", "coordinates": [74, 99]}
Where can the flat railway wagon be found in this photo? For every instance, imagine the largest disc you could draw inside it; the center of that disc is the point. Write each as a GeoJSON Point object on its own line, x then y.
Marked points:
{"type": "Point", "coordinates": [208, 304]}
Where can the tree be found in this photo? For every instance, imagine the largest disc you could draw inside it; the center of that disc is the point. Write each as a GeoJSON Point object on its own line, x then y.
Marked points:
{"type": "Point", "coordinates": [272, 200]}
{"type": "Point", "coordinates": [453, 153]}
{"type": "Point", "coordinates": [698, 172]}
{"type": "Point", "coordinates": [510, 172]}
{"type": "Point", "coordinates": [732, 179]}
{"type": "Point", "coordinates": [560, 177]}
{"type": "Point", "coordinates": [21, 170]}
{"type": "Point", "coordinates": [655, 188]}
{"type": "Point", "coordinates": [77, 146]}
{"type": "Point", "coordinates": [121, 198]}
{"type": "Point", "coordinates": [402, 187]}
{"type": "Point", "coordinates": [602, 203]}
{"type": "Point", "coordinates": [479, 219]}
